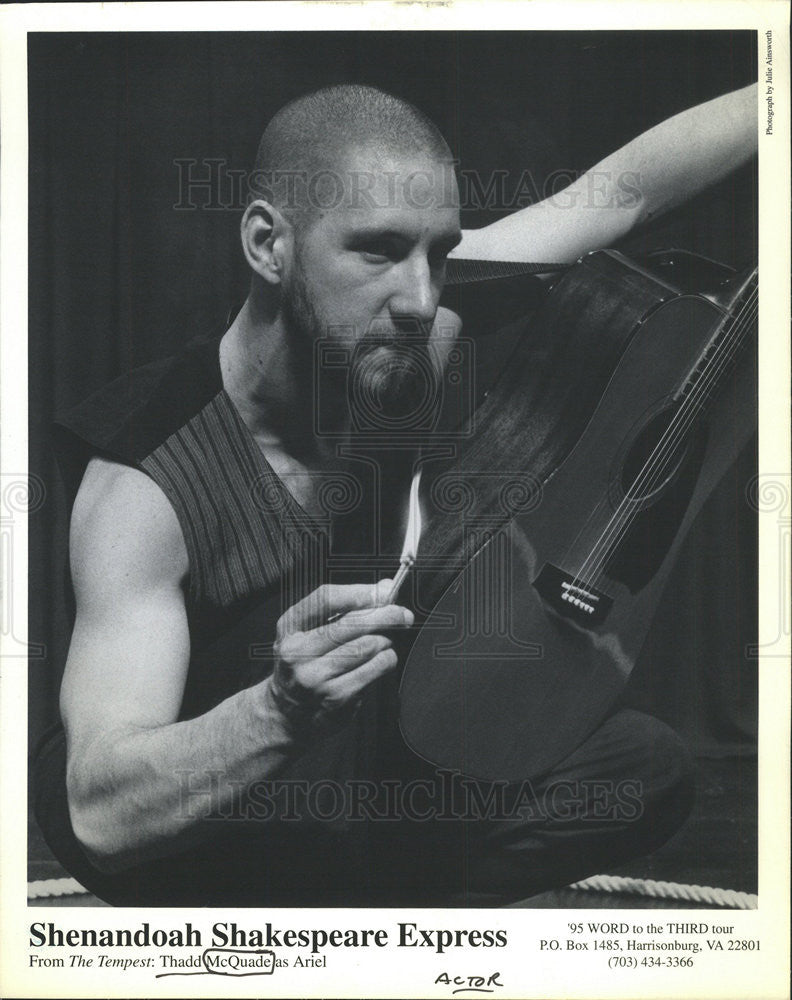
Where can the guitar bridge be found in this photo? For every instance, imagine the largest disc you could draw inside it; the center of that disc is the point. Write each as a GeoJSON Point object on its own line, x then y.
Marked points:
{"type": "Point", "coordinates": [571, 598]}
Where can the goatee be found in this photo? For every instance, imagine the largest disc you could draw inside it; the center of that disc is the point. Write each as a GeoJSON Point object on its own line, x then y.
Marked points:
{"type": "Point", "coordinates": [393, 385]}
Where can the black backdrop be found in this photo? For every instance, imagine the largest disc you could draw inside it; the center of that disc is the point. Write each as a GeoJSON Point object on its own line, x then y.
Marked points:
{"type": "Point", "coordinates": [119, 274]}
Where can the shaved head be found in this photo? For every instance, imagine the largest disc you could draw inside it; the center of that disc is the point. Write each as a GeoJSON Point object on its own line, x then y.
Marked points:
{"type": "Point", "coordinates": [303, 153]}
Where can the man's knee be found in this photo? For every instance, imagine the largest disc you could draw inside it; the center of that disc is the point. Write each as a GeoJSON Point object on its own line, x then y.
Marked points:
{"type": "Point", "coordinates": [660, 758]}
{"type": "Point", "coordinates": [662, 771]}
{"type": "Point", "coordinates": [645, 768]}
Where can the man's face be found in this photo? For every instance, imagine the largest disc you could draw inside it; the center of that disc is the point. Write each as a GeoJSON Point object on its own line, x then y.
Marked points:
{"type": "Point", "coordinates": [368, 269]}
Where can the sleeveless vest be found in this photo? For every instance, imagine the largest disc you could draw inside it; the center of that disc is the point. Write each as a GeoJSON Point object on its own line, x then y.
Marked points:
{"type": "Point", "coordinates": [252, 550]}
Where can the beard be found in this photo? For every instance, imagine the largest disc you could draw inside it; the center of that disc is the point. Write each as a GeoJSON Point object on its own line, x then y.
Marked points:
{"type": "Point", "coordinates": [389, 381]}
{"type": "Point", "coordinates": [302, 318]}
{"type": "Point", "coordinates": [393, 385]}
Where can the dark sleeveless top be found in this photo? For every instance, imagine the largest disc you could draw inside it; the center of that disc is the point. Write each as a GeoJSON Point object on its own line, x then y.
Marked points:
{"type": "Point", "coordinates": [250, 545]}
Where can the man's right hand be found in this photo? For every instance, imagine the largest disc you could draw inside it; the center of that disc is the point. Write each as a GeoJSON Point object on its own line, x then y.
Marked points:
{"type": "Point", "coordinates": [323, 667]}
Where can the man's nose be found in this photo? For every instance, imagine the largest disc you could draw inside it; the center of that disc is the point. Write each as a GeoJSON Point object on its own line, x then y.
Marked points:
{"type": "Point", "coordinates": [417, 293]}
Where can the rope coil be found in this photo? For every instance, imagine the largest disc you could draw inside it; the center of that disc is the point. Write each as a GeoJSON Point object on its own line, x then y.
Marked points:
{"type": "Point", "coordinates": [706, 894]}
{"type": "Point", "coordinates": [48, 887]}
{"type": "Point", "coordinates": [54, 887]}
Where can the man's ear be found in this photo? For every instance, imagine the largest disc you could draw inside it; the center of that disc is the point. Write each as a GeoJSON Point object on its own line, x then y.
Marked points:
{"type": "Point", "coordinates": [266, 240]}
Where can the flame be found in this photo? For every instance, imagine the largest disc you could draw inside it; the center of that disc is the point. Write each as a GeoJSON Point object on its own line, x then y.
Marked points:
{"type": "Point", "coordinates": [414, 525]}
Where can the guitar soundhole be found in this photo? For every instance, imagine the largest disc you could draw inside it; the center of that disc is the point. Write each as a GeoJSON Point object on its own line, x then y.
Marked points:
{"type": "Point", "coordinates": [654, 458]}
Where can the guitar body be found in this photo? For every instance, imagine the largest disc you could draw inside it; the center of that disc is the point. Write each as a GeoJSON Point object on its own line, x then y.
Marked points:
{"type": "Point", "coordinates": [526, 651]}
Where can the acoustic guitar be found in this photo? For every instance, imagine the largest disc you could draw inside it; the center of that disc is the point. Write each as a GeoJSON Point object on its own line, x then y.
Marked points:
{"type": "Point", "coordinates": [528, 648]}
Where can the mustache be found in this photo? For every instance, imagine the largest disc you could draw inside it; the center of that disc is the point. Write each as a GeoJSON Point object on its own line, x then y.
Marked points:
{"type": "Point", "coordinates": [397, 331]}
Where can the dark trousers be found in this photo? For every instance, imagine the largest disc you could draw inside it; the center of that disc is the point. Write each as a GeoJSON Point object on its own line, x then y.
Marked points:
{"type": "Point", "coordinates": [622, 794]}
{"type": "Point", "coordinates": [434, 839]}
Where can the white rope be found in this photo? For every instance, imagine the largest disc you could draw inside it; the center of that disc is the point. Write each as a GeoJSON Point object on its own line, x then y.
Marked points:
{"type": "Point", "coordinates": [47, 887]}
{"type": "Point", "coordinates": [669, 890]}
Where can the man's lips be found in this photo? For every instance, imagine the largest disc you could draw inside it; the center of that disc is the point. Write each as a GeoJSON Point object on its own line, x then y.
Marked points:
{"type": "Point", "coordinates": [398, 330]}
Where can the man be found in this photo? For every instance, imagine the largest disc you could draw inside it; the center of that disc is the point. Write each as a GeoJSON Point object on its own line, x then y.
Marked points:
{"type": "Point", "coordinates": [200, 527]}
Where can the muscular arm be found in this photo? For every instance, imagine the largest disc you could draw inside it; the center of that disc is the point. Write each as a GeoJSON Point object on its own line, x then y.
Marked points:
{"type": "Point", "coordinates": [127, 667]}
{"type": "Point", "coordinates": [654, 173]}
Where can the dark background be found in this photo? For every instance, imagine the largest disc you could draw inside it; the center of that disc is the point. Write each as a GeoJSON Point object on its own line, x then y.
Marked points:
{"type": "Point", "coordinates": [119, 276]}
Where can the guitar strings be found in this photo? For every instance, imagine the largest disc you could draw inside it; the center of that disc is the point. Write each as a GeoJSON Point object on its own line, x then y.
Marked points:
{"type": "Point", "coordinates": [629, 508]}
{"type": "Point", "coordinates": [725, 359]}
{"type": "Point", "coordinates": [646, 483]}
{"type": "Point", "coordinates": [627, 501]}
{"type": "Point", "coordinates": [723, 355]}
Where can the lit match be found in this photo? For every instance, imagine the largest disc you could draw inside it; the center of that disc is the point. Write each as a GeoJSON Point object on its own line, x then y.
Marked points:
{"type": "Point", "coordinates": [411, 538]}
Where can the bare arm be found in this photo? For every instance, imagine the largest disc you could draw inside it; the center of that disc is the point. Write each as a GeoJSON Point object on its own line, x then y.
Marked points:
{"type": "Point", "coordinates": [127, 668]}
{"type": "Point", "coordinates": [654, 173]}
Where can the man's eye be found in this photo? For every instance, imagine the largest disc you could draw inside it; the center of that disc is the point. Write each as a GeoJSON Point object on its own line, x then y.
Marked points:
{"type": "Point", "coordinates": [375, 255]}
{"type": "Point", "coordinates": [379, 251]}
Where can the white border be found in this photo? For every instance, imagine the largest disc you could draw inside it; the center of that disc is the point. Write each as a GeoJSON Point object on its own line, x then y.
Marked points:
{"type": "Point", "coordinates": [371, 973]}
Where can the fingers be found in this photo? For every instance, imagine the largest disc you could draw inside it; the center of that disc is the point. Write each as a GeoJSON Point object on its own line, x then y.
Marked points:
{"type": "Point", "coordinates": [314, 610]}
{"type": "Point", "coordinates": [350, 685]}
{"type": "Point", "coordinates": [330, 637]}
{"type": "Point", "coordinates": [341, 696]}
{"type": "Point", "coordinates": [322, 667]}
{"type": "Point", "coordinates": [320, 691]}
{"type": "Point", "coordinates": [341, 659]}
